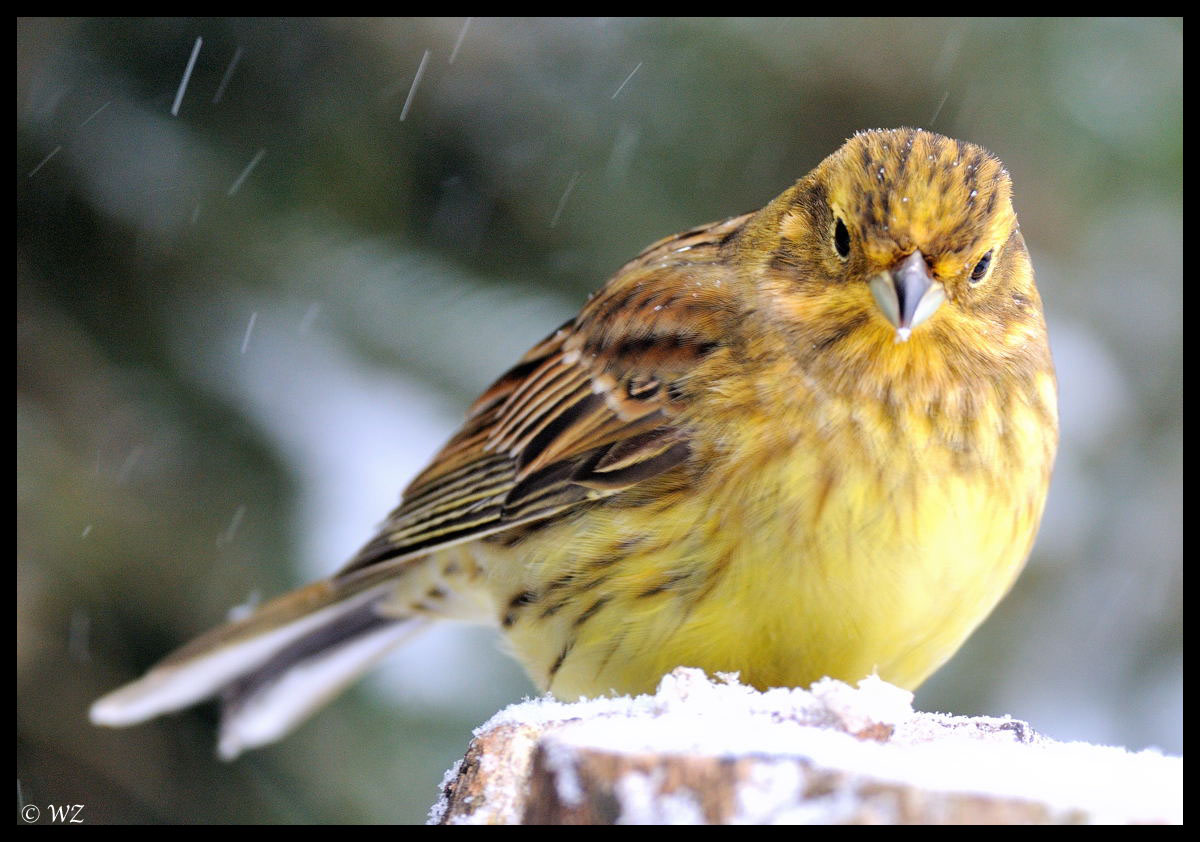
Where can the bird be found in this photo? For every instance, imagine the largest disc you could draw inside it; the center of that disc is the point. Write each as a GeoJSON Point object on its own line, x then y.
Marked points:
{"type": "Point", "coordinates": [812, 440]}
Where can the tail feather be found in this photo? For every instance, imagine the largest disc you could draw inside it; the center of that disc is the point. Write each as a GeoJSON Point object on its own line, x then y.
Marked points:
{"type": "Point", "coordinates": [266, 704]}
{"type": "Point", "coordinates": [330, 626]}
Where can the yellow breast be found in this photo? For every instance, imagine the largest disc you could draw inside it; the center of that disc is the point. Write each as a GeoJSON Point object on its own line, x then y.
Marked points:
{"type": "Point", "coordinates": [831, 548]}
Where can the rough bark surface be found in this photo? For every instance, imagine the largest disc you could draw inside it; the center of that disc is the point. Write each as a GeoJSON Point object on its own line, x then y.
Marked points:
{"type": "Point", "coordinates": [705, 752]}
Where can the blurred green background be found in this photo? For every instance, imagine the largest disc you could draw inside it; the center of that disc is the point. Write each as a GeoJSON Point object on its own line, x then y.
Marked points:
{"type": "Point", "coordinates": [242, 329]}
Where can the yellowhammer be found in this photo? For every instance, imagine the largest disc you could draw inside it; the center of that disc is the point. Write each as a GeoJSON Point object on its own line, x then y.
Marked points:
{"type": "Point", "coordinates": [811, 440]}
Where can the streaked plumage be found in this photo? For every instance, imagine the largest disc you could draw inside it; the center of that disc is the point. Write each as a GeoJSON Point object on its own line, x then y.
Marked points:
{"type": "Point", "coordinates": [811, 440]}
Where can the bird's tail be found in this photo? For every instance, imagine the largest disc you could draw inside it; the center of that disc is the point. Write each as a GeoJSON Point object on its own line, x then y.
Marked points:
{"type": "Point", "coordinates": [275, 667]}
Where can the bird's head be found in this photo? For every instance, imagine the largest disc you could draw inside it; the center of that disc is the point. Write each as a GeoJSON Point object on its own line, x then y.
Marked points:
{"type": "Point", "coordinates": [900, 238]}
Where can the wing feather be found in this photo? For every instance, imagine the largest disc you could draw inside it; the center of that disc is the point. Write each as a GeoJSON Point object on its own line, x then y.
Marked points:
{"type": "Point", "coordinates": [588, 412]}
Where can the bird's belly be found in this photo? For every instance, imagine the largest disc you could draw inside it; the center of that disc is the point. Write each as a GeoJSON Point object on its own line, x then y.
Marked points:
{"type": "Point", "coordinates": [820, 578]}
{"type": "Point", "coordinates": [853, 586]}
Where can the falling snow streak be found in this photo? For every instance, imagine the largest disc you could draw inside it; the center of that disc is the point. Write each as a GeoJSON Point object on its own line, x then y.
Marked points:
{"type": "Point", "coordinates": [249, 330]}
{"type": "Point", "coordinates": [627, 78]}
{"type": "Point", "coordinates": [562, 203]}
{"type": "Point", "coordinates": [128, 465]}
{"type": "Point", "coordinates": [237, 55]}
{"type": "Point", "coordinates": [416, 81]}
{"type": "Point", "coordinates": [226, 537]}
{"type": "Point", "coordinates": [461, 36]}
{"type": "Point", "coordinates": [310, 316]}
{"type": "Point", "coordinates": [938, 111]}
{"type": "Point", "coordinates": [53, 152]}
{"type": "Point", "coordinates": [187, 74]}
{"type": "Point", "coordinates": [95, 113]}
{"type": "Point", "coordinates": [237, 185]}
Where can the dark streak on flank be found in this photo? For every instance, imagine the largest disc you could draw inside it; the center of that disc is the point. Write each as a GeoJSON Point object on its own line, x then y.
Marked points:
{"type": "Point", "coordinates": [612, 650]}
{"type": "Point", "coordinates": [554, 608]}
{"type": "Point", "coordinates": [599, 580]}
{"type": "Point", "coordinates": [591, 611]}
{"type": "Point", "coordinates": [560, 582]}
{"type": "Point", "coordinates": [601, 563]}
{"type": "Point", "coordinates": [516, 603]}
{"type": "Point", "coordinates": [558, 662]}
{"type": "Point", "coordinates": [664, 585]}
{"type": "Point", "coordinates": [711, 579]}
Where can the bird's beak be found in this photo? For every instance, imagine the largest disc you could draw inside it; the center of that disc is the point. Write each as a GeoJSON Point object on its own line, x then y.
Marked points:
{"type": "Point", "coordinates": [907, 295]}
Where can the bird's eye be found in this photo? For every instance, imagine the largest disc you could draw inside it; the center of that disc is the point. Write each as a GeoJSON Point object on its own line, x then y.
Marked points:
{"type": "Point", "coordinates": [841, 239]}
{"type": "Point", "coordinates": [981, 268]}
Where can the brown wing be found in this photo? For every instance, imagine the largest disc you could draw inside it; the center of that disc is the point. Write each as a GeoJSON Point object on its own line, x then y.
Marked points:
{"type": "Point", "coordinates": [590, 411]}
